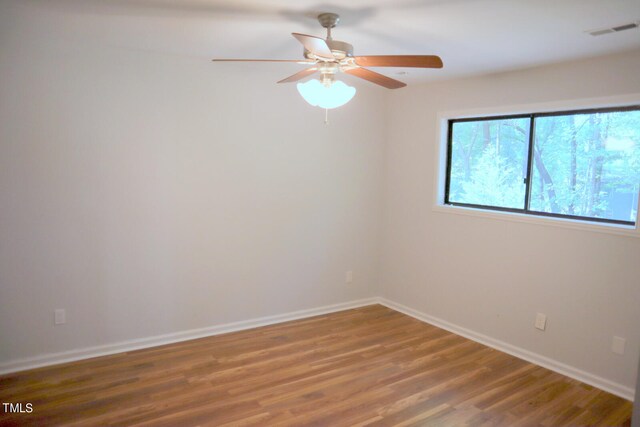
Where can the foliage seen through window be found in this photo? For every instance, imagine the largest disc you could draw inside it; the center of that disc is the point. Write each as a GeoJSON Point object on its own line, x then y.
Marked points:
{"type": "Point", "coordinates": [581, 165]}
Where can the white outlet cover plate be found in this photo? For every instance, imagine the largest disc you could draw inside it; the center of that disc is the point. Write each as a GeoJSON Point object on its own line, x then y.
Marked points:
{"type": "Point", "coordinates": [60, 316]}
{"type": "Point", "coordinates": [541, 321]}
{"type": "Point", "coordinates": [617, 345]}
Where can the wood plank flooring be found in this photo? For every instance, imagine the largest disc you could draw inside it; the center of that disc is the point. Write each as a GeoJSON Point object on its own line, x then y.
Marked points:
{"type": "Point", "coordinates": [369, 366]}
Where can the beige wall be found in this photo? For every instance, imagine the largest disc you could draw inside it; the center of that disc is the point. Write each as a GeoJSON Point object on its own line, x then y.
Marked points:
{"type": "Point", "coordinates": [148, 194]}
{"type": "Point", "coordinates": [492, 275]}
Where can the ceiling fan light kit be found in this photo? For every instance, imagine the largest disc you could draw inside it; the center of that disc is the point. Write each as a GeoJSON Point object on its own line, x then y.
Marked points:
{"type": "Point", "coordinates": [318, 94]}
{"type": "Point", "coordinates": [330, 57]}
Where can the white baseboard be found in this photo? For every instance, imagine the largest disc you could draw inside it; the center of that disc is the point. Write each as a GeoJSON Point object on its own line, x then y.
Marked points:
{"type": "Point", "coordinates": [559, 367]}
{"type": "Point", "coordinates": [137, 344]}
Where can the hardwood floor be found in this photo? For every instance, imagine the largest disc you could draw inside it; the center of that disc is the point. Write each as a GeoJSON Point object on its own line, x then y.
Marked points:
{"type": "Point", "coordinates": [369, 366]}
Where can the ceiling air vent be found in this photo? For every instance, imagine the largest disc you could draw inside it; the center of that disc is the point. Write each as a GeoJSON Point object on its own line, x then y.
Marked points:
{"type": "Point", "coordinates": [625, 26]}
{"type": "Point", "coordinates": [615, 29]}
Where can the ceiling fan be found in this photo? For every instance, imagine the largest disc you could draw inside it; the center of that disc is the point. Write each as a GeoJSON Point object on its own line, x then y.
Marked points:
{"type": "Point", "coordinates": [330, 57]}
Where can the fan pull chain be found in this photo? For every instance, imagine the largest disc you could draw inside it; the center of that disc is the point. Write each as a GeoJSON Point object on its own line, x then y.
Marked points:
{"type": "Point", "coordinates": [326, 116]}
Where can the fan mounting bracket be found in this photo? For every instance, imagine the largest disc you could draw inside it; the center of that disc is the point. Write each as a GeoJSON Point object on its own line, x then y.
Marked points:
{"type": "Point", "coordinates": [328, 20]}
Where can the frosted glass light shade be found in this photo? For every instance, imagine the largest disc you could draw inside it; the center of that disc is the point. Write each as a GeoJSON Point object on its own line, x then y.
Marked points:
{"type": "Point", "coordinates": [318, 95]}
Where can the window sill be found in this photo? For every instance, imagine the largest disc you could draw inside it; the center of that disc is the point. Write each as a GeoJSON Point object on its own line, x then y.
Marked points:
{"type": "Point", "coordinates": [620, 230]}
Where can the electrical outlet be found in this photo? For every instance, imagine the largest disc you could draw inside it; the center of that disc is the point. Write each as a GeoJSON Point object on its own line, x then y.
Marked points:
{"type": "Point", "coordinates": [348, 277]}
{"type": "Point", "coordinates": [60, 316]}
{"type": "Point", "coordinates": [617, 345]}
{"type": "Point", "coordinates": [541, 321]}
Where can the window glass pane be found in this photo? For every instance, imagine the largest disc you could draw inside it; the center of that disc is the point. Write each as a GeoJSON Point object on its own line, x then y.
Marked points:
{"type": "Point", "coordinates": [489, 162]}
{"type": "Point", "coordinates": [587, 165]}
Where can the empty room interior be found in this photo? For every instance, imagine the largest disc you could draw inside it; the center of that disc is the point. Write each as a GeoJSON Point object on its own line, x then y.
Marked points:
{"type": "Point", "coordinates": [277, 213]}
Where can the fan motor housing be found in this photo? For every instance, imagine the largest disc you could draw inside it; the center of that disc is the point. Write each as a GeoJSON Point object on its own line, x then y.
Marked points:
{"type": "Point", "coordinates": [339, 49]}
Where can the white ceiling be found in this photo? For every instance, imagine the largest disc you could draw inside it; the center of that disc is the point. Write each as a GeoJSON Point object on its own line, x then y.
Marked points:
{"type": "Point", "coordinates": [471, 36]}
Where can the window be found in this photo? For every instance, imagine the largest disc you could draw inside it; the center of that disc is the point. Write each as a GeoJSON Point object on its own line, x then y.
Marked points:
{"type": "Point", "coordinates": [581, 165]}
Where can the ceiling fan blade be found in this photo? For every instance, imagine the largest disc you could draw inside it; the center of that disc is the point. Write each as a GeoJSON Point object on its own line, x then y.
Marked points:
{"type": "Point", "coordinates": [315, 45]}
{"type": "Point", "coordinates": [299, 75]}
{"type": "Point", "coordinates": [297, 61]}
{"type": "Point", "coordinates": [417, 61]}
{"type": "Point", "coordinates": [376, 78]}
